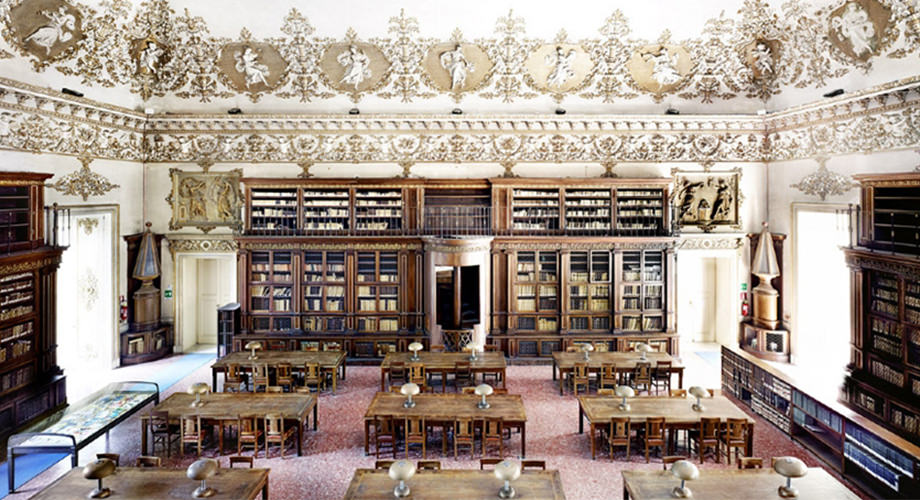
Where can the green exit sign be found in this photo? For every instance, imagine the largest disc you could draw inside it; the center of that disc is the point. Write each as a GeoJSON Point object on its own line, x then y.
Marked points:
{"type": "Point", "coordinates": [167, 293]}
{"type": "Point", "coordinates": [744, 287]}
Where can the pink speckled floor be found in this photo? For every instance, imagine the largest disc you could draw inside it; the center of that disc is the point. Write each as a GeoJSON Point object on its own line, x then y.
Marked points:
{"type": "Point", "coordinates": [336, 449]}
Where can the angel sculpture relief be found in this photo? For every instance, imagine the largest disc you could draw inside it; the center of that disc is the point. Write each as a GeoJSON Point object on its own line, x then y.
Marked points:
{"type": "Point", "coordinates": [562, 67]}
{"type": "Point", "coordinates": [247, 63]}
{"type": "Point", "coordinates": [59, 29]}
{"type": "Point", "coordinates": [356, 64]}
{"type": "Point", "coordinates": [856, 27]}
{"type": "Point", "coordinates": [457, 66]}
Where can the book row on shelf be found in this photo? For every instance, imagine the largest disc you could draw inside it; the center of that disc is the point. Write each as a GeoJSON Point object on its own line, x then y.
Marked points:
{"type": "Point", "coordinates": [645, 212]}
{"type": "Point", "coordinates": [16, 331]}
{"type": "Point", "coordinates": [588, 203]}
{"type": "Point", "coordinates": [17, 378]}
{"type": "Point", "coordinates": [887, 373]}
{"type": "Point", "coordinates": [262, 193]}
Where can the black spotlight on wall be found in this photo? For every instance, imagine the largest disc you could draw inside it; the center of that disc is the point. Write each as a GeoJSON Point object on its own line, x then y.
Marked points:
{"type": "Point", "coordinates": [456, 111]}
{"type": "Point", "coordinates": [834, 93]}
{"type": "Point", "coordinates": [71, 92]}
{"type": "Point", "coordinates": [560, 111]}
{"type": "Point", "coordinates": [234, 111]}
{"type": "Point", "coordinates": [672, 111]}
{"type": "Point", "coordinates": [354, 111]}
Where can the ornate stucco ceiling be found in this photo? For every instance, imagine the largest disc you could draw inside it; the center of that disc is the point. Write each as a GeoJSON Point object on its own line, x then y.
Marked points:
{"type": "Point", "coordinates": [418, 56]}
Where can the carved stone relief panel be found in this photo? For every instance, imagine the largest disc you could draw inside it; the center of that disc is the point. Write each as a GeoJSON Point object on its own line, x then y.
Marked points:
{"type": "Point", "coordinates": [557, 68]}
{"type": "Point", "coordinates": [859, 28]}
{"type": "Point", "coordinates": [660, 68]}
{"type": "Point", "coordinates": [251, 67]}
{"type": "Point", "coordinates": [205, 199]}
{"type": "Point", "coordinates": [761, 56]}
{"type": "Point", "coordinates": [46, 29]}
{"type": "Point", "coordinates": [706, 199]}
{"type": "Point", "coordinates": [354, 67]}
{"type": "Point", "coordinates": [456, 67]}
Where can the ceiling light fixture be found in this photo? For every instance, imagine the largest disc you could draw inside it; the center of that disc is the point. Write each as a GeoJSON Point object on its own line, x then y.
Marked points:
{"type": "Point", "coordinates": [834, 93]}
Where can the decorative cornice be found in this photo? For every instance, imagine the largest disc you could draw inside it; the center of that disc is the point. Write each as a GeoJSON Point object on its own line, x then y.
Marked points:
{"type": "Point", "coordinates": [294, 245]}
{"type": "Point", "coordinates": [711, 242]}
{"type": "Point", "coordinates": [600, 245]}
{"type": "Point", "coordinates": [181, 243]}
{"type": "Point", "coordinates": [858, 258]}
{"type": "Point", "coordinates": [29, 265]}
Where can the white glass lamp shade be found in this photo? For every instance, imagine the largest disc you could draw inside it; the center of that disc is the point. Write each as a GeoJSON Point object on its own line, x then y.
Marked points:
{"type": "Point", "coordinates": [642, 348]}
{"type": "Point", "coordinates": [97, 470]}
{"type": "Point", "coordinates": [789, 467]}
{"type": "Point", "coordinates": [507, 471]}
{"type": "Point", "coordinates": [253, 347]}
{"type": "Point", "coordinates": [587, 348]}
{"type": "Point", "coordinates": [698, 392]}
{"type": "Point", "coordinates": [415, 347]}
{"type": "Point", "coordinates": [472, 347]}
{"type": "Point", "coordinates": [409, 390]}
{"type": "Point", "coordinates": [483, 390]}
{"type": "Point", "coordinates": [402, 471]}
{"type": "Point", "coordinates": [685, 471]}
{"type": "Point", "coordinates": [197, 389]}
{"type": "Point", "coordinates": [624, 391]}
{"type": "Point", "coordinates": [201, 470]}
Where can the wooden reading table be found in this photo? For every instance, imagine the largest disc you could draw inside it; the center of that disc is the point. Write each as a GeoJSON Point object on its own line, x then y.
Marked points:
{"type": "Point", "coordinates": [732, 484]}
{"type": "Point", "coordinates": [329, 361]}
{"type": "Point", "coordinates": [226, 407]}
{"type": "Point", "coordinates": [445, 362]}
{"type": "Point", "coordinates": [447, 408]}
{"type": "Point", "coordinates": [624, 361]}
{"type": "Point", "coordinates": [677, 412]}
{"type": "Point", "coordinates": [132, 483]}
{"type": "Point", "coordinates": [451, 484]}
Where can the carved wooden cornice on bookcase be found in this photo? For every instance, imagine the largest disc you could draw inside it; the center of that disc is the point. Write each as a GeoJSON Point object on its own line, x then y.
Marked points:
{"type": "Point", "coordinates": [44, 121]}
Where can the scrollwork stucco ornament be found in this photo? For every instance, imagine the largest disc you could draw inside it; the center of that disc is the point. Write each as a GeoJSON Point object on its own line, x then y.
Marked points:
{"type": "Point", "coordinates": [823, 182]}
{"type": "Point", "coordinates": [83, 182]}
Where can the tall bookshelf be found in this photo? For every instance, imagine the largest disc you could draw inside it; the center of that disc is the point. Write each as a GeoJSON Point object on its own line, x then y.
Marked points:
{"type": "Point", "coordinates": [535, 210]}
{"type": "Point", "coordinates": [31, 383]}
{"type": "Point", "coordinates": [640, 291]}
{"type": "Point", "coordinates": [640, 210]}
{"type": "Point", "coordinates": [271, 288]}
{"type": "Point", "coordinates": [587, 211]}
{"type": "Point", "coordinates": [273, 210]}
{"type": "Point", "coordinates": [590, 291]}
{"type": "Point", "coordinates": [536, 292]}
{"type": "Point", "coordinates": [324, 291]}
{"type": "Point", "coordinates": [326, 209]}
{"type": "Point", "coordinates": [378, 210]}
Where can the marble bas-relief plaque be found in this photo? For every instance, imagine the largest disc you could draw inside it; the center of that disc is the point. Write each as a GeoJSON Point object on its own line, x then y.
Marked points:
{"type": "Point", "coordinates": [205, 199]}
{"type": "Point", "coordinates": [46, 29]}
{"type": "Point", "coordinates": [707, 199]}
{"type": "Point", "coordinates": [456, 67]}
{"type": "Point", "coordinates": [558, 67]}
{"type": "Point", "coordinates": [660, 68]}
{"type": "Point", "coordinates": [251, 67]}
{"type": "Point", "coordinates": [354, 67]}
{"type": "Point", "coordinates": [762, 57]}
{"type": "Point", "coordinates": [858, 28]}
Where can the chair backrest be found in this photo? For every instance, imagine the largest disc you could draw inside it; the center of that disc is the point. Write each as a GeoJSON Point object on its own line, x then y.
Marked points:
{"type": "Point", "coordinates": [496, 391]}
{"type": "Point", "coordinates": [417, 373]}
{"type": "Point", "coordinates": [609, 370]}
{"type": "Point", "coordinates": [429, 465]}
{"type": "Point", "coordinates": [143, 461]}
{"type": "Point", "coordinates": [437, 348]}
{"type": "Point", "coordinates": [533, 464]}
{"type": "Point", "coordinates": [274, 425]}
{"type": "Point", "coordinates": [158, 418]}
{"type": "Point", "coordinates": [710, 427]}
{"type": "Point", "coordinates": [492, 427]}
{"type": "Point", "coordinates": [311, 370]}
{"type": "Point", "coordinates": [383, 425]}
{"type": "Point", "coordinates": [619, 427]}
{"type": "Point", "coordinates": [581, 370]}
{"type": "Point", "coordinates": [239, 459]}
{"type": "Point", "coordinates": [274, 388]}
{"type": "Point", "coordinates": [191, 427]}
{"type": "Point", "coordinates": [735, 428]}
{"type": "Point", "coordinates": [283, 370]}
{"type": "Point", "coordinates": [606, 392]}
{"type": "Point", "coordinates": [260, 370]}
{"type": "Point", "coordinates": [233, 371]}
{"type": "Point", "coordinates": [750, 463]}
{"type": "Point", "coordinates": [397, 369]}
{"type": "Point", "coordinates": [488, 461]}
{"type": "Point", "coordinates": [462, 368]}
{"type": "Point", "coordinates": [415, 426]}
{"type": "Point", "coordinates": [663, 367]}
{"type": "Point", "coordinates": [571, 348]}
{"type": "Point", "coordinates": [463, 427]}
{"type": "Point", "coordinates": [654, 426]}
{"type": "Point", "coordinates": [678, 393]}
{"type": "Point", "coordinates": [491, 348]}
{"type": "Point", "coordinates": [670, 459]}
{"type": "Point", "coordinates": [472, 390]}
{"type": "Point", "coordinates": [111, 456]}
{"type": "Point", "coordinates": [643, 370]}
{"type": "Point", "coordinates": [383, 464]}
{"type": "Point", "coordinates": [246, 425]}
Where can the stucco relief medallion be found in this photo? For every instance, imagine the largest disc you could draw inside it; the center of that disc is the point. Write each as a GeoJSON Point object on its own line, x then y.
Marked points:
{"type": "Point", "coordinates": [149, 56]}
{"type": "Point", "coordinates": [660, 68]}
{"type": "Point", "coordinates": [354, 67]}
{"type": "Point", "coordinates": [859, 28]}
{"type": "Point", "coordinates": [46, 29]}
{"type": "Point", "coordinates": [558, 68]}
{"type": "Point", "coordinates": [762, 57]}
{"type": "Point", "coordinates": [456, 67]}
{"type": "Point", "coordinates": [251, 67]}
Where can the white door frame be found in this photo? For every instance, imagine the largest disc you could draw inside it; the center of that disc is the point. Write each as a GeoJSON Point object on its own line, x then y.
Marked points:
{"type": "Point", "coordinates": [114, 211]}
{"type": "Point", "coordinates": [179, 260]}
{"type": "Point", "coordinates": [732, 257]}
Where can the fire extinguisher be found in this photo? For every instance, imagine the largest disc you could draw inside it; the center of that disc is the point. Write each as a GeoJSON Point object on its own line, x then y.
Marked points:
{"type": "Point", "coordinates": [123, 308]}
{"type": "Point", "coordinates": [745, 305]}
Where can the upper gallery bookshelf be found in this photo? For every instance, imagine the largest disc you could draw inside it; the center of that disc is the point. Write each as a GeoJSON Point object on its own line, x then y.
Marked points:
{"type": "Point", "coordinates": [884, 378]}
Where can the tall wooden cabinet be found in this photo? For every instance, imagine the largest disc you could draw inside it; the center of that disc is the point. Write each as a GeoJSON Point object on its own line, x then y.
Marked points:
{"type": "Point", "coordinates": [884, 378]}
{"type": "Point", "coordinates": [31, 383]}
{"type": "Point", "coordinates": [339, 263]}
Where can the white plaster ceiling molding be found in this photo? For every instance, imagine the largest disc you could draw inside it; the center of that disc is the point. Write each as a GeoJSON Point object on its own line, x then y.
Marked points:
{"type": "Point", "coordinates": [83, 182]}
{"type": "Point", "coordinates": [823, 182]}
{"type": "Point", "coordinates": [184, 55]}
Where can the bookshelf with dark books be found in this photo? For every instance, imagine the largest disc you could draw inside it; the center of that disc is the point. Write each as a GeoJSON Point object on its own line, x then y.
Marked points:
{"type": "Point", "coordinates": [273, 210]}
{"type": "Point", "coordinates": [325, 210]}
{"type": "Point", "coordinates": [379, 210]}
{"type": "Point", "coordinates": [590, 292]}
{"type": "Point", "coordinates": [878, 461]}
{"type": "Point", "coordinates": [535, 210]}
{"type": "Point", "coordinates": [587, 211]}
{"type": "Point", "coordinates": [640, 291]}
{"type": "Point", "coordinates": [271, 288]}
{"type": "Point", "coordinates": [535, 307]}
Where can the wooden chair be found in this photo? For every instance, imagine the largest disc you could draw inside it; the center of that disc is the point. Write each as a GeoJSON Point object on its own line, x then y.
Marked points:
{"type": "Point", "coordinates": [619, 434]}
{"type": "Point", "coordinates": [274, 389]}
{"type": "Point", "coordinates": [496, 391]}
{"type": "Point", "coordinates": [397, 373]}
{"type": "Point", "coordinates": [417, 374]}
{"type": "Point", "coordinates": [492, 434]}
{"type": "Point", "coordinates": [491, 348]}
{"type": "Point", "coordinates": [276, 433]}
{"type": "Point", "coordinates": [579, 377]}
{"type": "Point", "coordinates": [735, 437]}
{"type": "Point", "coordinates": [661, 377]}
{"type": "Point", "coordinates": [670, 459]}
{"type": "Point", "coordinates": [384, 435]}
{"type": "Point", "coordinates": [608, 376]}
{"type": "Point", "coordinates": [571, 348]}
{"type": "Point", "coordinates": [533, 464]}
{"type": "Point", "coordinates": [312, 376]}
{"type": "Point", "coordinates": [153, 462]}
{"type": "Point", "coordinates": [162, 431]}
{"type": "Point", "coordinates": [259, 376]}
{"type": "Point", "coordinates": [416, 433]}
{"type": "Point", "coordinates": [192, 433]}
{"type": "Point", "coordinates": [242, 460]}
{"type": "Point", "coordinates": [654, 436]}
{"type": "Point", "coordinates": [677, 393]}
{"type": "Point", "coordinates": [397, 389]}
{"type": "Point", "coordinates": [642, 376]}
{"type": "Point", "coordinates": [429, 465]}
{"type": "Point", "coordinates": [248, 434]}
{"type": "Point", "coordinates": [437, 348]}
{"type": "Point", "coordinates": [606, 392]}
{"type": "Point", "coordinates": [471, 390]}
{"type": "Point", "coordinates": [483, 462]}
{"type": "Point", "coordinates": [383, 464]}
{"type": "Point", "coordinates": [463, 435]}
{"type": "Point", "coordinates": [708, 436]}
{"type": "Point", "coordinates": [750, 463]}
{"type": "Point", "coordinates": [463, 374]}
{"type": "Point", "coordinates": [284, 376]}
{"type": "Point", "coordinates": [233, 378]}
{"type": "Point", "coordinates": [111, 456]}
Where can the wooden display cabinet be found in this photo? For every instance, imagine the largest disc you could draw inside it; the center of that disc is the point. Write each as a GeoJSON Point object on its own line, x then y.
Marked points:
{"type": "Point", "coordinates": [142, 343]}
{"type": "Point", "coordinates": [767, 343]}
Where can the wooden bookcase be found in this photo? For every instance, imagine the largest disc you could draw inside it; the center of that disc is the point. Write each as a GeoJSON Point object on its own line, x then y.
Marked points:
{"type": "Point", "coordinates": [890, 212]}
{"type": "Point", "coordinates": [31, 383]}
{"type": "Point", "coordinates": [880, 462]}
{"type": "Point", "coordinates": [338, 263]}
